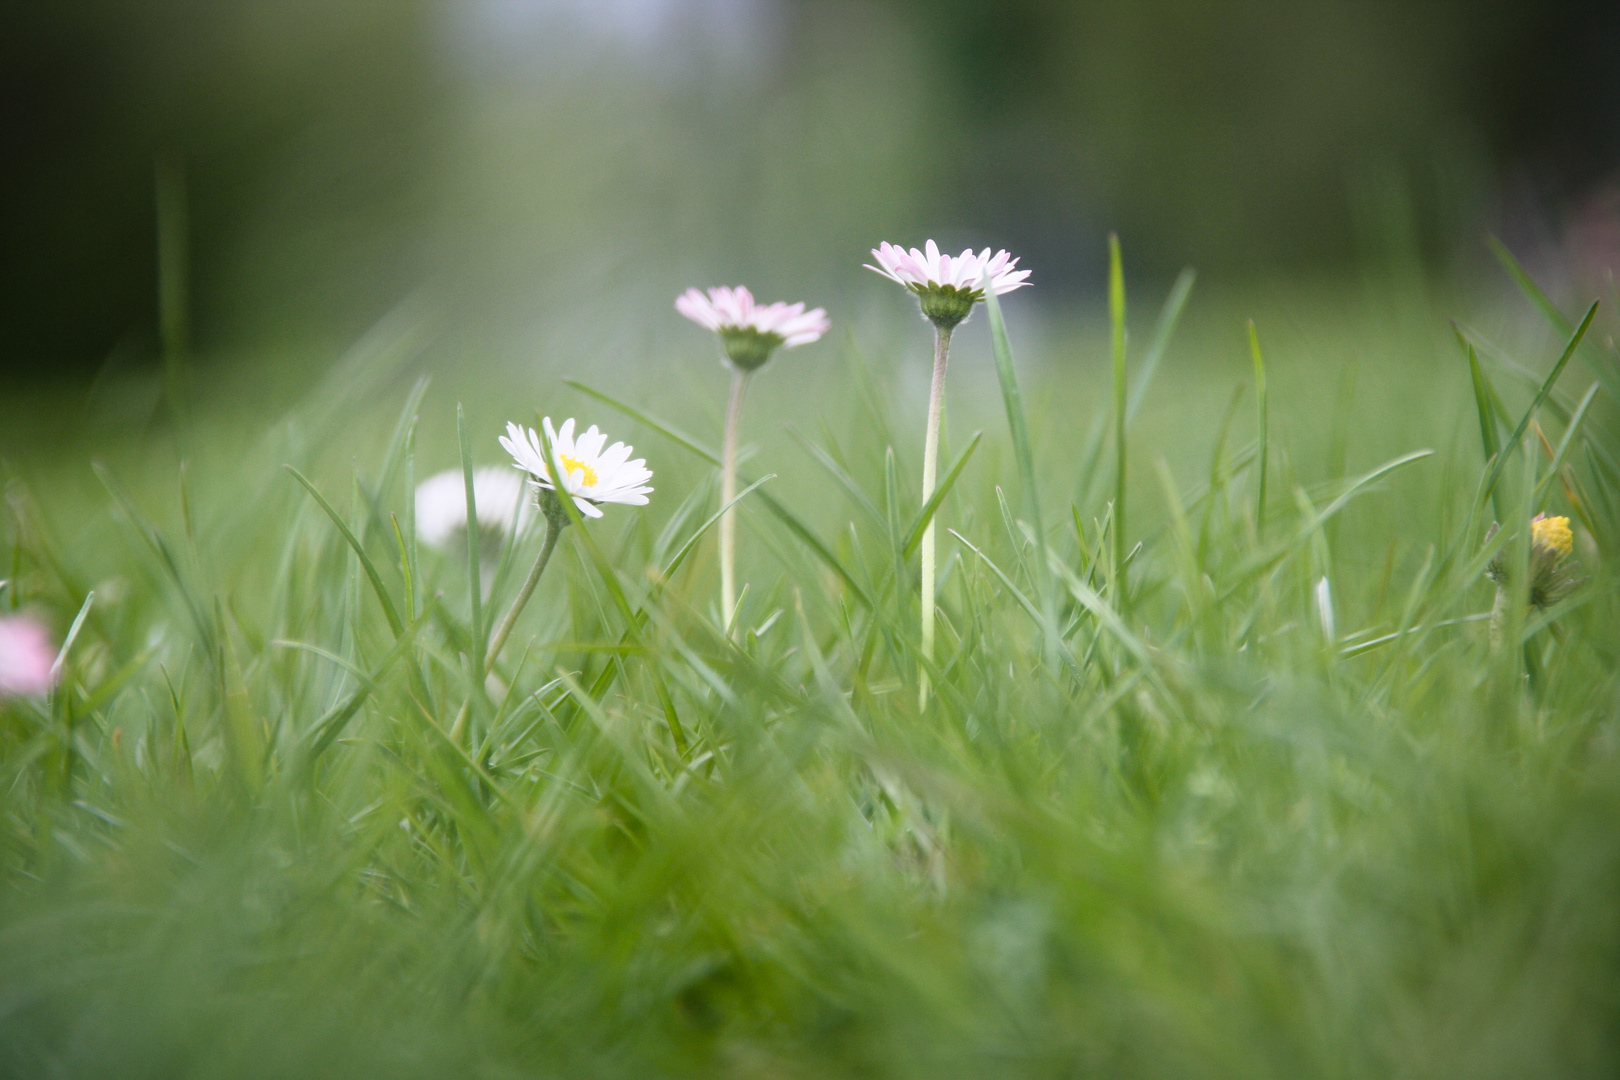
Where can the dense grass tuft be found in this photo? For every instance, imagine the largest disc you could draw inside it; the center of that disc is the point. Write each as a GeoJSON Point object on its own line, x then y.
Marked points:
{"type": "Point", "coordinates": [1242, 791]}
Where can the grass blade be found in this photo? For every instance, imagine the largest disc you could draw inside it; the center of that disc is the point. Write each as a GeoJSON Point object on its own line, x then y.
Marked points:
{"type": "Point", "coordinates": [1495, 472]}
{"type": "Point", "coordinates": [1116, 322]}
{"type": "Point", "coordinates": [1262, 428]}
{"type": "Point", "coordinates": [914, 536]}
{"type": "Point", "coordinates": [1169, 316]}
{"type": "Point", "coordinates": [475, 582]}
{"type": "Point", "coordinates": [366, 564]}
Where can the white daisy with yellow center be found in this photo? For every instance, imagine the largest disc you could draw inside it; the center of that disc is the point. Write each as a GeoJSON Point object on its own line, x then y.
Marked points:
{"type": "Point", "coordinates": [591, 475]}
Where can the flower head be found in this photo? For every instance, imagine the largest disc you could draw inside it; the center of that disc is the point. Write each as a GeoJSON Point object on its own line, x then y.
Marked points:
{"type": "Point", "coordinates": [948, 287]}
{"type": "Point", "coordinates": [26, 658]}
{"type": "Point", "coordinates": [749, 331]}
{"type": "Point", "coordinates": [592, 475]}
{"type": "Point", "coordinates": [441, 504]}
{"type": "Point", "coordinates": [1551, 577]}
{"type": "Point", "coordinates": [1553, 535]}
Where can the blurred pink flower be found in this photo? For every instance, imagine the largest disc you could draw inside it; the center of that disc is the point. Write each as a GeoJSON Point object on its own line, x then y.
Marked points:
{"type": "Point", "coordinates": [26, 658]}
{"type": "Point", "coordinates": [727, 308]}
{"type": "Point", "coordinates": [921, 270]}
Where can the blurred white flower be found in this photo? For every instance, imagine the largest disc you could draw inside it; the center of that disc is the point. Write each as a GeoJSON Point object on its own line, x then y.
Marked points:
{"type": "Point", "coordinates": [26, 658]}
{"type": "Point", "coordinates": [592, 475]}
{"type": "Point", "coordinates": [947, 286]}
{"type": "Point", "coordinates": [441, 504]}
{"type": "Point", "coordinates": [751, 331]}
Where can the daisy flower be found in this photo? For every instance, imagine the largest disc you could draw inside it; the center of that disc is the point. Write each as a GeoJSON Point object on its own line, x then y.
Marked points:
{"type": "Point", "coordinates": [26, 658]}
{"type": "Point", "coordinates": [441, 504]}
{"type": "Point", "coordinates": [947, 286]}
{"type": "Point", "coordinates": [750, 331]}
{"type": "Point", "coordinates": [592, 475]}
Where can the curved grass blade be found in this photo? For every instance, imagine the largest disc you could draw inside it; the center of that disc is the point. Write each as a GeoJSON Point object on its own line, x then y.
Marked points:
{"type": "Point", "coordinates": [1169, 316]}
{"type": "Point", "coordinates": [914, 536]}
{"type": "Point", "coordinates": [1483, 393]}
{"type": "Point", "coordinates": [841, 477]}
{"type": "Point", "coordinates": [1549, 311]}
{"type": "Point", "coordinates": [1564, 444]}
{"type": "Point", "coordinates": [1495, 472]}
{"type": "Point", "coordinates": [366, 564]}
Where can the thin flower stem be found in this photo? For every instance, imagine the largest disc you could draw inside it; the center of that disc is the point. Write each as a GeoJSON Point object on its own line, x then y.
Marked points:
{"type": "Point", "coordinates": [728, 493]}
{"type": "Point", "coordinates": [936, 408]}
{"type": "Point", "coordinates": [553, 532]}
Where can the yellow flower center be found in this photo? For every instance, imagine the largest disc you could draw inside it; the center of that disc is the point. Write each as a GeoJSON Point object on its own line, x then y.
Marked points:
{"type": "Point", "coordinates": [1553, 533]}
{"type": "Point", "coordinates": [573, 465]}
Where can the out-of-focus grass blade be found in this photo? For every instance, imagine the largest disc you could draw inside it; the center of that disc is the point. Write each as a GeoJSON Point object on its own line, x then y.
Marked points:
{"type": "Point", "coordinates": [475, 584]}
{"type": "Point", "coordinates": [1549, 311]}
{"type": "Point", "coordinates": [1570, 431]}
{"type": "Point", "coordinates": [1018, 425]}
{"type": "Point", "coordinates": [72, 636]}
{"type": "Point", "coordinates": [1360, 485]}
{"type": "Point", "coordinates": [1483, 393]}
{"type": "Point", "coordinates": [914, 536]}
{"type": "Point", "coordinates": [158, 547]}
{"type": "Point", "coordinates": [1012, 401]}
{"type": "Point", "coordinates": [402, 441]}
{"type": "Point", "coordinates": [1262, 428]}
{"type": "Point", "coordinates": [891, 511]}
{"type": "Point", "coordinates": [387, 602]}
{"type": "Point", "coordinates": [1116, 322]}
{"type": "Point", "coordinates": [1268, 558]}
{"type": "Point", "coordinates": [698, 533]}
{"type": "Point", "coordinates": [324, 731]}
{"type": "Point", "coordinates": [1495, 472]}
{"type": "Point", "coordinates": [407, 566]}
{"type": "Point", "coordinates": [840, 477]}
{"type": "Point", "coordinates": [1017, 594]}
{"type": "Point", "coordinates": [1163, 330]}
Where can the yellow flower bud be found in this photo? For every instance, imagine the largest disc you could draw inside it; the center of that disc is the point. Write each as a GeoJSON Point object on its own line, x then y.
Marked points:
{"type": "Point", "coordinates": [1553, 534]}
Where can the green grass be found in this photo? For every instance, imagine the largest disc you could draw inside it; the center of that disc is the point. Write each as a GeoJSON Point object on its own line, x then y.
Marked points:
{"type": "Point", "coordinates": [1239, 792]}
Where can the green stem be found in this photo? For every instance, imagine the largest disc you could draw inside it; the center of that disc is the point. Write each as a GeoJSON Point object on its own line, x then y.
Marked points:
{"type": "Point", "coordinates": [728, 493]}
{"type": "Point", "coordinates": [936, 408]}
{"type": "Point", "coordinates": [556, 521]}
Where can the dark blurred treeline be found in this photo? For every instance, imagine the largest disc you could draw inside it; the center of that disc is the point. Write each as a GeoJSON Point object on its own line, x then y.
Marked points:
{"type": "Point", "coordinates": [336, 156]}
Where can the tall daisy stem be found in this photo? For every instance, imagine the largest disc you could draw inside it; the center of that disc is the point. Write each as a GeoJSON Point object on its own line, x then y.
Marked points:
{"type": "Point", "coordinates": [936, 409]}
{"type": "Point", "coordinates": [728, 492]}
{"type": "Point", "coordinates": [556, 521]}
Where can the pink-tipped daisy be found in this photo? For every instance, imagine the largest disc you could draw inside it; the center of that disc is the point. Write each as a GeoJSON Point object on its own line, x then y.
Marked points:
{"type": "Point", "coordinates": [592, 475]}
{"type": "Point", "coordinates": [749, 331]}
{"type": "Point", "coordinates": [26, 658]}
{"type": "Point", "coordinates": [948, 286]}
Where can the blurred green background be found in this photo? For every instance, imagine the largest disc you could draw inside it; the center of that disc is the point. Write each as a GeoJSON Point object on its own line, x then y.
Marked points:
{"type": "Point", "coordinates": [547, 174]}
